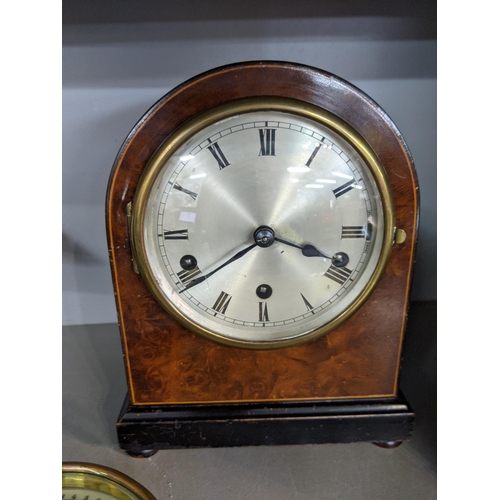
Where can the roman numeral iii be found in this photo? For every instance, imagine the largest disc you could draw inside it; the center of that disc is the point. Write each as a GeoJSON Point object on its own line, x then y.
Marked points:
{"type": "Point", "coordinates": [353, 231]}
{"type": "Point", "coordinates": [338, 274]}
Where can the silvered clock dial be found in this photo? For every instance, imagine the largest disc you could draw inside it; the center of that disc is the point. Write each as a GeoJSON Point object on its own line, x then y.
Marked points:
{"type": "Point", "coordinates": [263, 223]}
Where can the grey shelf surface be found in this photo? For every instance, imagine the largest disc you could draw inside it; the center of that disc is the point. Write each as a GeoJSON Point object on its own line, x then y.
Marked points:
{"type": "Point", "coordinates": [94, 387]}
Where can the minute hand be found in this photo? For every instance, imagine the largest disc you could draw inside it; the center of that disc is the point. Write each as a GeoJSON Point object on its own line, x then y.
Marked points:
{"type": "Point", "coordinates": [307, 250]}
{"type": "Point", "coordinates": [237, 256]}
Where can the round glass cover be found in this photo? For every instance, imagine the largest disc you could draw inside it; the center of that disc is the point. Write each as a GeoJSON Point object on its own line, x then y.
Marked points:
{"type": "Point", "coordinates": [263, 227]}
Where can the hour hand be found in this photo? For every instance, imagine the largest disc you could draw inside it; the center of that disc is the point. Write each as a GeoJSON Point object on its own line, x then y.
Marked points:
{"type": "Point", "coordinates": [307, 250]}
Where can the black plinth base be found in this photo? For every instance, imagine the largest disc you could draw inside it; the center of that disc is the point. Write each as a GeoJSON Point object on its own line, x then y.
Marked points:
{"type": "Point", "coordinates": [143, 430]}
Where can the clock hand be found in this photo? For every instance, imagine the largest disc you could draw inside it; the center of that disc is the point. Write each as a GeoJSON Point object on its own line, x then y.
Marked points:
{"type": "Point", "coordinates": [340, 259]}
{"type": "Point", "coordinates": [235, 257]}
{"type": "Point", "coordinates": [307, 250]}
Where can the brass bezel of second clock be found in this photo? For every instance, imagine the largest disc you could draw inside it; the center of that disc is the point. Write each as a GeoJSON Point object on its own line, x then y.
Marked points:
{"type": "Point", "coordinates": [233, 108]}
{"type": "Point", "coordinates": [102, 479]}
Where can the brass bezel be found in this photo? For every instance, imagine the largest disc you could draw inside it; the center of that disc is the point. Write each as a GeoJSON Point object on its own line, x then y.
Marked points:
{"type": "Point", "coordinates": [236, 107]}
{"type": "Point", "coordinates": [103, 479]}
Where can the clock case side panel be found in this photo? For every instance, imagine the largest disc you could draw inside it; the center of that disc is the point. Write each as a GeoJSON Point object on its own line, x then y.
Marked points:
{"type": "Point", "coordinates": [130, 162]}
{"type": "Point", "coordinates": [150, 336]}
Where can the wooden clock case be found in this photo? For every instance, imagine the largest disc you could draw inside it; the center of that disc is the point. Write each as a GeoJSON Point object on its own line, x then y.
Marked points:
{"type": "Point", "coordinates": [185, 390]}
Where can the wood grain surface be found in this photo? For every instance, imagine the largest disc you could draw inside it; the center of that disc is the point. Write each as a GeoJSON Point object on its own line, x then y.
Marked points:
{"type": "Point", "coordinates": [168, 364]}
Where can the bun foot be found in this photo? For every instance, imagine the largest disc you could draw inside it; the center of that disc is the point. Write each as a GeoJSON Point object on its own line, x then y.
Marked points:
{"type": "Point", "coordinates": [388, 444]}
{"type": "Point", "coordinates": [141, 453]}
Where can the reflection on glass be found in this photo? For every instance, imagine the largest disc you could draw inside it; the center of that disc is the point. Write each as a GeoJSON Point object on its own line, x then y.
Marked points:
{"type": "Point", "coordinates": [187, 216]}
{"type": "Point", "coordinates": [344, 176]}
{"type": "Point", "coordinates": [298, 169]}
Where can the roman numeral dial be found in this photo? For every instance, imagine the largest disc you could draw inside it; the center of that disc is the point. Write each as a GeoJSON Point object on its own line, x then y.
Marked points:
{"type": "Point", "coordinates": [261, 228]}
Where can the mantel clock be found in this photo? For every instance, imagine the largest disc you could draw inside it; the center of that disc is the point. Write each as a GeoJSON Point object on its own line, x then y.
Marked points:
{"type": "Point", "coordinates": [261, 222]}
